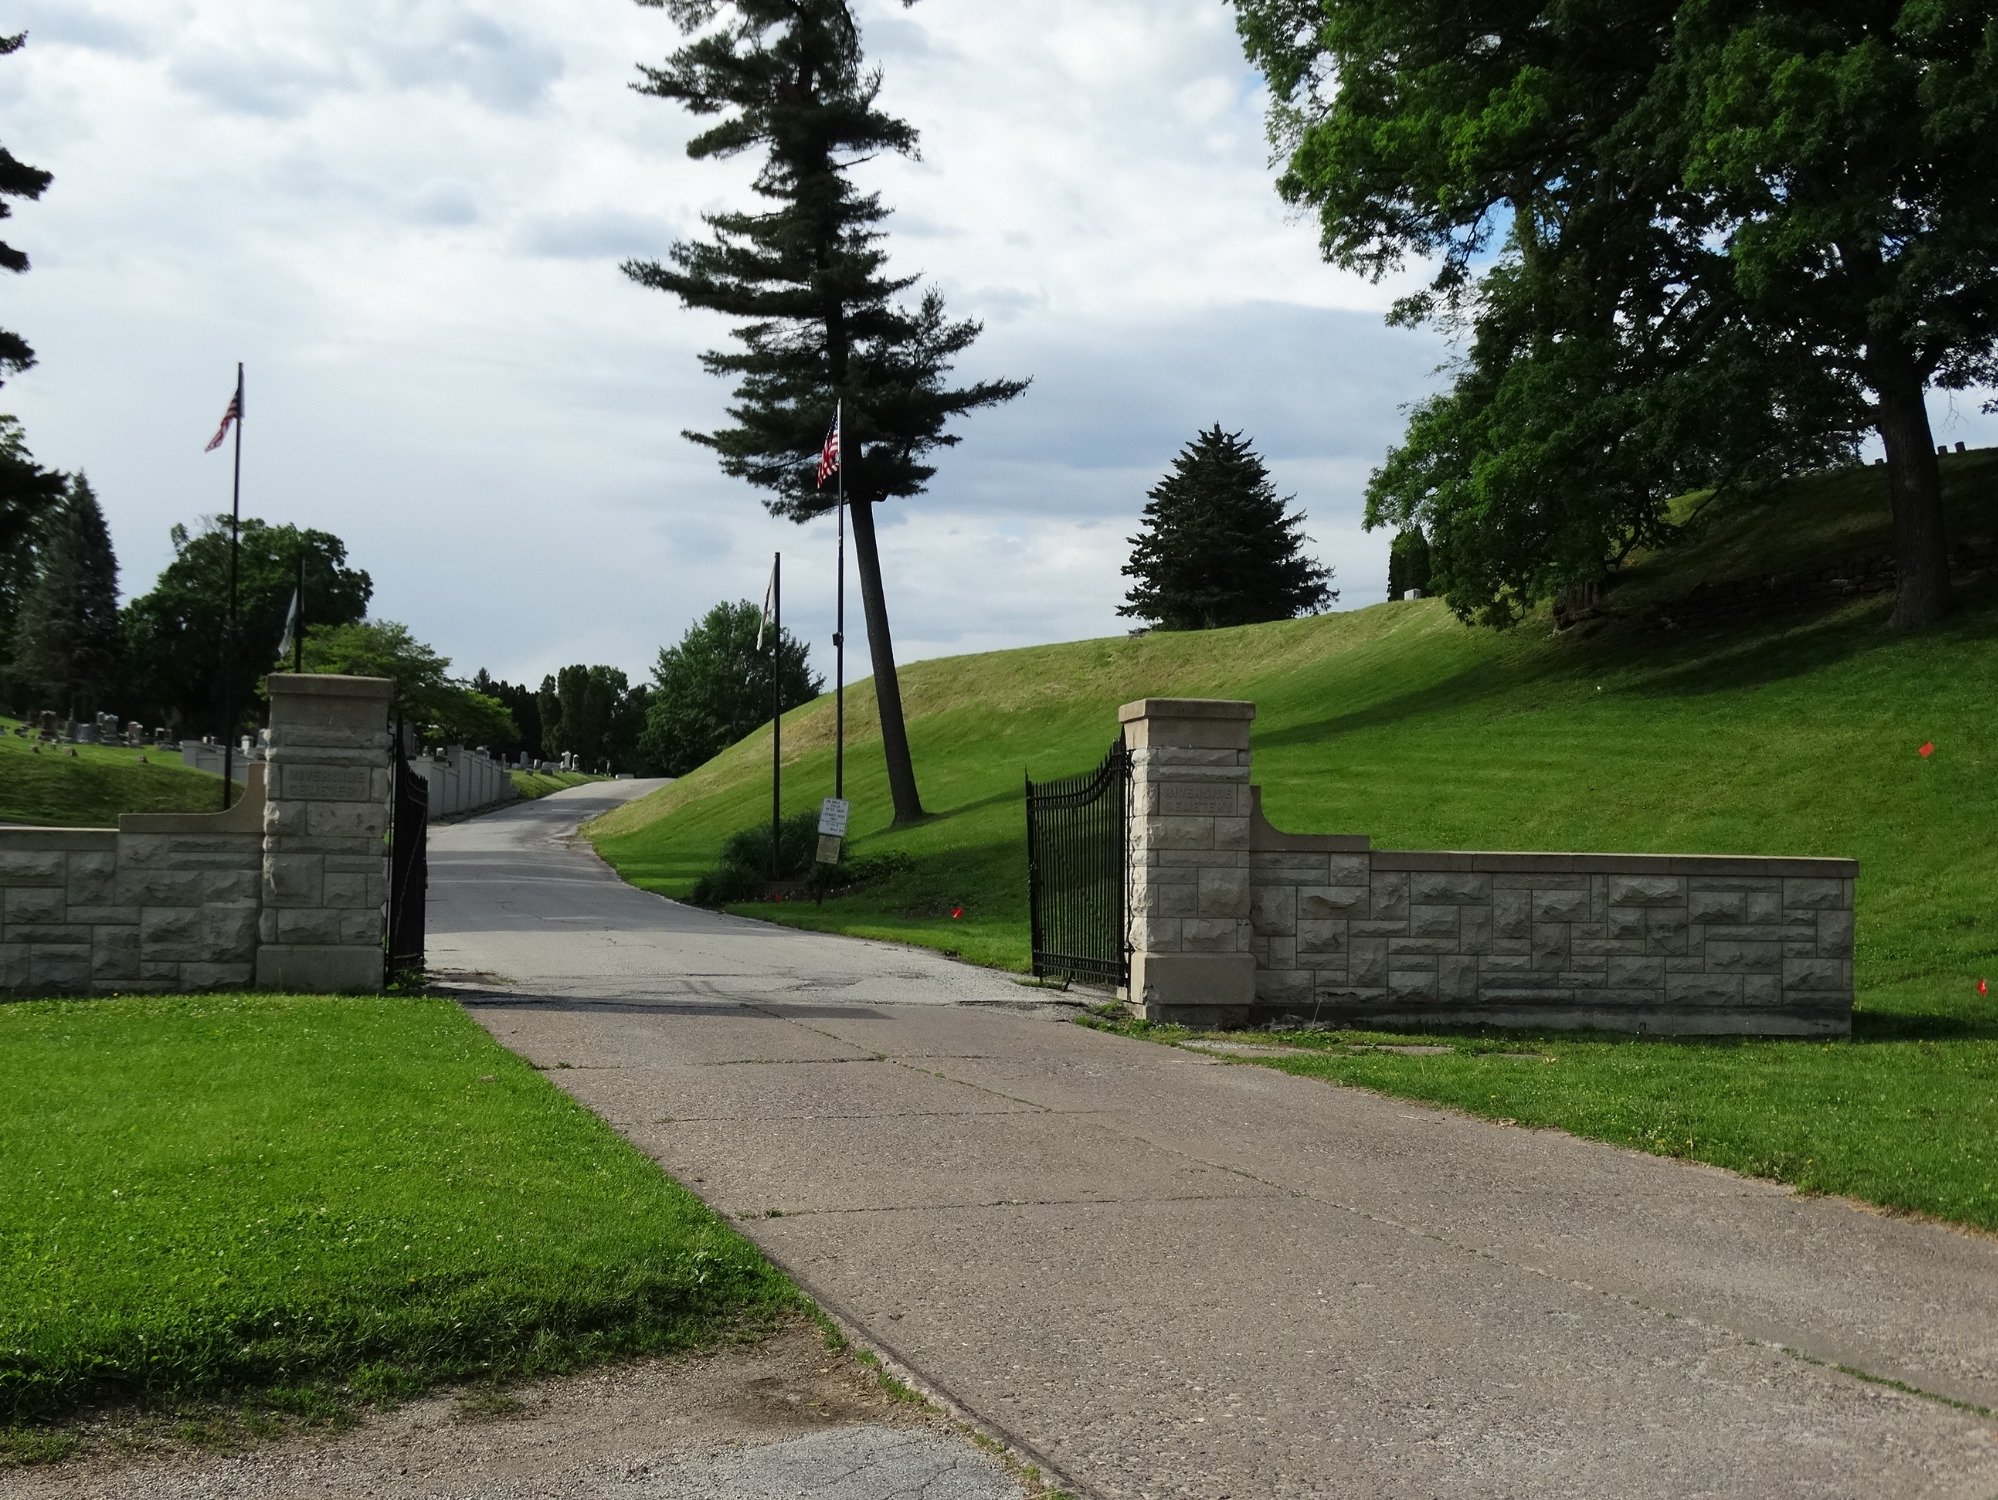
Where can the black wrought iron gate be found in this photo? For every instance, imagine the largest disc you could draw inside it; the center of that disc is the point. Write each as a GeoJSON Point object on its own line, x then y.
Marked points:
{"type": "Point", "coordinates": [1078, 872]}
{"type": "Point", "coordinates": [409, 865]}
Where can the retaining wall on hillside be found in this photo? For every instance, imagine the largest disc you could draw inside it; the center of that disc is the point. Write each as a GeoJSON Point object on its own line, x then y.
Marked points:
{"type": "Point", "coordinates": [1231, 918]}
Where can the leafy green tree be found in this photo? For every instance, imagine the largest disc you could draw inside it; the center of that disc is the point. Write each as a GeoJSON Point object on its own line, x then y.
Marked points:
{"type": "Point", "coordinates": [1688, 235]}
{"type": "Point", "coordinates": [174, 634]}
{"type": "Point", "coordinates": [29, 497]}
{"type": "Point", "coordinates": [441, 708]}
{"type": "Point", "coordinates": [593, 713]}
{"type": "Point", "coordinates": [524, 707]}
{"type": "Point", "coordinates": [1408, 563]}
{"type": "Point", "coordinates": [1217, 546]}
{"type": "Point", "coordinates": [820, 319]}
{"type": "Point", "coordinates": [1848, 143]}
{"type": "Point", "coordinates": [714, 687]}
{"type": "Point", "coordinates": [17, 180]}
{"type": "Point", "coordinates": [67, 640]}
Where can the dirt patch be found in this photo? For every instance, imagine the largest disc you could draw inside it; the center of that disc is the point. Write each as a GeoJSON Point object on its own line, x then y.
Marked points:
{"type": "Point", "coordinates": [604, 1432]}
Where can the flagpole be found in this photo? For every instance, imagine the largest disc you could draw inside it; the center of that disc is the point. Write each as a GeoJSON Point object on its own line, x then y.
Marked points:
{"type": "Point", "coordinates": [776, 710]}
{"type": "Point", "coordinates": [298, 620]}
{"type": "Point", "coordinates": [839, 631]}
{"type": "Point", "coordinates": [229, 631]}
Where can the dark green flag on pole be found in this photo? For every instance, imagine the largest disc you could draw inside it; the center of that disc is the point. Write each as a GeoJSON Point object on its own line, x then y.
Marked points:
{"type": "Point", "coordinates": [773, 622]}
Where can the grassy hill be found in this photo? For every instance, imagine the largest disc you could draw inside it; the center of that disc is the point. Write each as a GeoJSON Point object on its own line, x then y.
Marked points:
{"type": "Point", "coordinates": [1780, 736]}
{"type": "Point", "coordinates": [89, 790]}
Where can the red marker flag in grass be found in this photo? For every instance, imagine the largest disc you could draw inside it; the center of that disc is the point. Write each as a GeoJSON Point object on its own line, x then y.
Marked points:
{"type": "Point", "coordinates": [956, 913]}
{"type": "Point", "coordinates": [1927, 750]}
{"type": "Point", "coordinates": [1983, 988]}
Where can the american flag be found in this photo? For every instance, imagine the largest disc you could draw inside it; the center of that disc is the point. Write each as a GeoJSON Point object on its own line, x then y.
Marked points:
{"type": "Point", "coordinates": [233, 414]}
{"type": "Point", "coordinates": [829, 455]}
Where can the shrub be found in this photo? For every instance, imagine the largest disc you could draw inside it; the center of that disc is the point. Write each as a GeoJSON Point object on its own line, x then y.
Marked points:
{"type": "Point", "coordinates": [742, 869]}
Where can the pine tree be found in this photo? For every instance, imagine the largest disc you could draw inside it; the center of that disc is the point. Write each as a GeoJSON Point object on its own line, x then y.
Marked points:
{"type": "Point", "coordinates": [17, 180]}
{"type": "Point", "coordinates": [821, 320]}
{"type": "Point", "coordinates": [1408, 563]}
{"type": "Point", "coordinates": [68, 637]}
{"type": "Point", "coordinates": [1217, 547]}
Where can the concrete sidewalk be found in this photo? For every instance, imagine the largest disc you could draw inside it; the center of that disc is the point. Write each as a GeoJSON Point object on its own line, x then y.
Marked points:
{"type": "Point", "coordinates": [1170, 1275]}
{"type": "Point", "coordinates": [1164, 1274]}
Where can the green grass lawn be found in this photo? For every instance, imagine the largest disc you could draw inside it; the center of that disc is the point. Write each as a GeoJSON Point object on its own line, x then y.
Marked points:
{"type": "Point", "coordinates": [302, 1201]}
{"type": "Point", "coordinates": [532, 784]}
{"type": "Point", "coordinates": [1792, 736]}
{"type": "Point", "coordinates": [1904, 1115]}
{"type": "Point", "coordinates": [89, 790]}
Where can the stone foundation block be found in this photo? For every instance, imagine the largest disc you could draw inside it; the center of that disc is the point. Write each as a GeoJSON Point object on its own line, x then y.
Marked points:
{"type": "Point", "coordinates": [35, 867]}
{"type": "Point", "coordinates": [319, 970]}
{"type": "Point", "coordinates": [1645, 890]}
{"type": "Point", "coordinates": [34, 905]}
{"type": "Point", "coordinates": [1434, 922]}
{"type": "Point", "coordinates": [1834, 934]}
{"type": "Point", "coordinates": [1457, 977]}
{"type": "Point", "coordinates": [1325, 902]}
{"type": "Point", "coordinates": [1323, 939]}
{"type": "Point", "coordinates": [1390, 896]}
{"type": "Point", "coordinates": [1447, 887]}
{"type": "Point", "coordinates": [1560, 906]}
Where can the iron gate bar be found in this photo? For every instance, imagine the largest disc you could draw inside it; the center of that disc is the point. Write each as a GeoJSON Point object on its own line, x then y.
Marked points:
{"type": "Point", "coordinates": [1078, 864]}
{"type": "Point", "coordinates": [409, 863]}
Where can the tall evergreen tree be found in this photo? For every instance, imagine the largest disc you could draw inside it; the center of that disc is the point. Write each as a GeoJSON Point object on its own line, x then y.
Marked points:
{"type": "Point", "coordinates": [1408, 563]}
{"type": "Point", "coordinates": [548, 713]}
{"type": "Point", "coordinates": [17, 180]}
{"type": "Point", "coordinates": [822, 321]}
{"type": "Point", "coordinates": [28, 492]}
{"type": "Point", "coordinates": [29, 497]}
{"type": "Point", "coordinates": [1217, 546]}
{"type": "Point", "coordinates": [67, 641]}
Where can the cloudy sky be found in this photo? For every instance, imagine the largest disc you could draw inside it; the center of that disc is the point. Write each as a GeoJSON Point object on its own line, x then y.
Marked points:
{"type": "Point", "coordinates": [405, 216]}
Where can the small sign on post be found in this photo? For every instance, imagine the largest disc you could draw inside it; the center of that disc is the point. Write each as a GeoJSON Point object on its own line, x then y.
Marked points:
{"type": "Point", "coordinates": [832, 817]}
{"type": "Point", "coordinates": [832, 829]}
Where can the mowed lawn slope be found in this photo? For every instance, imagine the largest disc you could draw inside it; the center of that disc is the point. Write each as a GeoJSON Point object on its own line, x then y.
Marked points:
{"type": "Point", "coordinates": [1790, 736]}
{"type": "Point", "coordinates": [295, 1200]}
{"type": "Point", "coordinates": [89, 790]}
{"type": "Point", "coordinates": [1796, 735]}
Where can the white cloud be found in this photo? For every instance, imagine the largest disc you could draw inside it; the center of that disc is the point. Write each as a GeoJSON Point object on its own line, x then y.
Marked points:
{"type": "Point", "coordinates": [405, 217]}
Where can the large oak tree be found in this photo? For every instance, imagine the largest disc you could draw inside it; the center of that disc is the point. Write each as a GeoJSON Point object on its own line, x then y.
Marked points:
{"type": "Point", "coordinates": [821, 320]}
{"type": "Point", "coordinates": [1696, 241]}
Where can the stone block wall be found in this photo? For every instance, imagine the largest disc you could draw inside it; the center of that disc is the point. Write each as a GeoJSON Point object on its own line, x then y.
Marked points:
{"type": "Point", "coordinates": [1339, 931]}
{"type": "Point", "coordinates": [464, 781]}
{"type": "Point", "coordinates": [288, 888]}
{"type": "Point", "coordinates": [325, 866]}
{"type": "Point", "coordinates": [164, 902]}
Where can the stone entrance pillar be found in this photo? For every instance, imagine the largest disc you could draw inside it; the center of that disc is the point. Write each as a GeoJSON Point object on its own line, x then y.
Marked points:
{"type": "Point", "coordinates": [325, 879]}
{"type": "Point", "coordinates": [1191, 959]}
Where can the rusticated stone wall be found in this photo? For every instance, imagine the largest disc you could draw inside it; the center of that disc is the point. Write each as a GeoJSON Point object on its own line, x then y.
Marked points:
{"type": "Point", "coordinates": [1335, 930]}
{"type": "Point", "coordinates": [165, 901]}
{"type": "Point", "coordinates": [287, 888]}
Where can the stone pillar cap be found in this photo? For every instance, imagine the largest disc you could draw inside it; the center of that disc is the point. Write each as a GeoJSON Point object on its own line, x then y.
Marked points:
{"type": "Point", "coordinates": [330, 685]}
{"type": "Point", "coordinates": [1186, 708]}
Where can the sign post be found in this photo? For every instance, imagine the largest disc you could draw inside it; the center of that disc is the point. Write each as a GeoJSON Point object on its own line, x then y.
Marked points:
{"type": "Point", "coordinates": [832, 829]}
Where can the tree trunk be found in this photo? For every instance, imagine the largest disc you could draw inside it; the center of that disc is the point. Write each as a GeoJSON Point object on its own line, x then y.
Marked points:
{"type": "Point", "coordinates": [881, 651]}
{"type": "Point", "coordinates": [1921, 546]}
